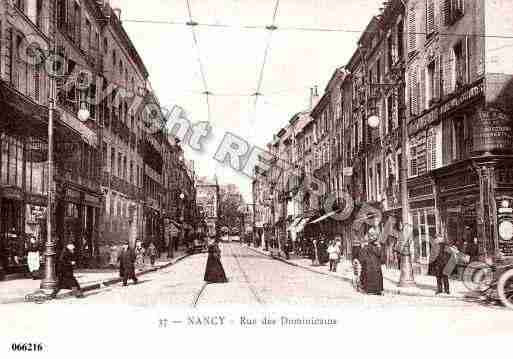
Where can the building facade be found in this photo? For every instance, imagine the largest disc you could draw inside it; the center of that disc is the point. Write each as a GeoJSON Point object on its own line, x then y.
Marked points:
{"type": "Point", "coordinates": [108, 164]}
{"type": "Point", "coordinates": [459, 126]}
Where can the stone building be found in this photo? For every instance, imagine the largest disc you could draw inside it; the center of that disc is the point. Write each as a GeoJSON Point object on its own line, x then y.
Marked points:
{"type": "Point", "coordinates": [108, 156]}
{"type": "Point", "coordinates": [459, 125]}
{"type": "Point", "coordinates": [24, 110]}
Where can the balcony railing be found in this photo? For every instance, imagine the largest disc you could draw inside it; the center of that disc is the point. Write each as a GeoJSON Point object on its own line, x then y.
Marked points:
{"type": "Point", "coordinates": [122, 186]}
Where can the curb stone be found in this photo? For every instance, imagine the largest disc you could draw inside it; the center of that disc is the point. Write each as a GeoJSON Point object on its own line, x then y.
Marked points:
{"type": "Point", "coordinates": [110, 282]}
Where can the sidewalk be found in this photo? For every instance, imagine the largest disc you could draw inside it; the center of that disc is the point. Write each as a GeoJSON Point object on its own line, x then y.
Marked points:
{"type": "Point", "coordinates": [426, 285]}
{"type": "Point", "coordinates": [14, 291]}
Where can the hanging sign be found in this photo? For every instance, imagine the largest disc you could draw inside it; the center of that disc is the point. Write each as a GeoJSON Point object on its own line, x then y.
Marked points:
{"type": "Point", "coordinates": [492, 132]}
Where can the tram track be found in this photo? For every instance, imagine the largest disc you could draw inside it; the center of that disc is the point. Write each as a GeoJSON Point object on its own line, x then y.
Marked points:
{"type": "Point", "coordinates": [246, 279]}
{"type": "Point", "coordinates": [199, 294]}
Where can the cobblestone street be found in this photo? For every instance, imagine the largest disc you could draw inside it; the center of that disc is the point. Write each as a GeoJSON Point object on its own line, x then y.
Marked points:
{"type": "Point", "coordinates": [254, 279]}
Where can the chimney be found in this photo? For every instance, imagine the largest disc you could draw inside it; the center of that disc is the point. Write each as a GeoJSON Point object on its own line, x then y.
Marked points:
{"type": "Point", "coordinates": [314, 97]}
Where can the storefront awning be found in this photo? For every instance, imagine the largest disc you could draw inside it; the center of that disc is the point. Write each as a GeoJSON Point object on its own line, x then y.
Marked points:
{"type": "Point", "coordinates": [23, 114]}
{"type": "Point", "coordinates": [326, 216]}
{"type": "Point", "coordinates": [88, 135]}
{"type": "Point", "coordinates": [302, 223]}
{"type": "Point", "coordinates": [294, 223]}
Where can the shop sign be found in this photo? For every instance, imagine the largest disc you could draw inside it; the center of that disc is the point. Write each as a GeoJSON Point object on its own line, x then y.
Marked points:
{"type": "Point", "coordinates": [466, 96]}
{"type": "Point", "coordinates": [72, 194]}
{"type": "Point", "coordinates": [458, 181]}
{"type": "Point", "coordinates": [91, 199]}
{"type": "Point", "coordinates": [492, 132]}
{"type": "Point", "coordinates": [422, 122]}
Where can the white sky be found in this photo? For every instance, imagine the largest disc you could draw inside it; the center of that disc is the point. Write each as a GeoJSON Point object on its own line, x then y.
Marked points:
{"type": "Point", "coordinates": [232, 59]}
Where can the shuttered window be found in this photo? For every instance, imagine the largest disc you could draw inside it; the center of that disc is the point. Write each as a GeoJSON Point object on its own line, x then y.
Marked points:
{"type": "Point", "coordinates": [452, 10]}
{"type": "Point", "coordinates": [422, 90]}
{"type": "Point", "coordinates": [37, 83]}
{"type": "Point", "coordinates": [412, 31]}
{"type": "Point", "coordinates": [414, 91]}
{"type": "Point", "coordinates": [430, 17]}
{"type": "Point", "coordinates": [413, 160]}
{"type": "Point", "coordinates": [431, 149]}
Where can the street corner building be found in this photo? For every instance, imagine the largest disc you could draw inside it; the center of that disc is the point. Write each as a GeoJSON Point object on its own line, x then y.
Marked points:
{"type": "Point", "coordinates": [113, 180]}
{"type": "Point", "coordinates": [418, 124]}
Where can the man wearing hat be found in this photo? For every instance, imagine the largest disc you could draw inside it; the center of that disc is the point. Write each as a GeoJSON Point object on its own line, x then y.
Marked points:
{"type": "Point", "coordinates": [66, 277]}
{"type": "Point", "coordinates": [441, 256]}
{"type": "Point", "coordinates": [127, 264]}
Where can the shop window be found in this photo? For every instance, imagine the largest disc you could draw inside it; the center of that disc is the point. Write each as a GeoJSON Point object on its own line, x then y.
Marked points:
{"type": "Point", "coordinates": [35, 166]}
{"type": "Point", "coordinates": [72, 210]}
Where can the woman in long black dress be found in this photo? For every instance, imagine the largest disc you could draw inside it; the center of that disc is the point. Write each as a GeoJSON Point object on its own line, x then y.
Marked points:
{"type": "Point", "coordinates": [214, 272]}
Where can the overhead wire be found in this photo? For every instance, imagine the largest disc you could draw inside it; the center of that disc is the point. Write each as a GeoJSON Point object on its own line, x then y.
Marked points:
{"type": "Point", "coordinates": [270, 29]}
{"type": "Point", "coordinates": [310, 29]}
{"type": "Point", "coordinates": [191, 23]}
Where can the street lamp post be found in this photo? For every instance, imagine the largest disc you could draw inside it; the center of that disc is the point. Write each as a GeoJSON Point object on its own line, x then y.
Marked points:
{"type": "Point", "coordinates": [406, 278]}
{"type": "Point", "coordinates": [49, 282]}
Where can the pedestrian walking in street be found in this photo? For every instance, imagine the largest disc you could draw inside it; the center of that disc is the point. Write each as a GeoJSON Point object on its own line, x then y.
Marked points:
{"type": "Point", "coordinates": [33, 257]}
{"type": "Point", "coordinates": [139, 255]}
{"type": "Point", "coordinates": [371, 259]}
{"type": "Point", "coordinates": [127, 264]}
{"type": "Point", "coordinates": [334, 255]}
{"type": "Point", "coordinates": [438, 266]}
{"type": "Point", "coordinates": [152, 253]}
{"type": "Point", "coordinates": [65, 275]}
{"type": "Point", "coordinates": [214, 271]}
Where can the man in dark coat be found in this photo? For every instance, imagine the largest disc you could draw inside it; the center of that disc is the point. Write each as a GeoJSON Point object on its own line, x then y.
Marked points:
{"type": "Point", "coordinates": [437, 267]}
{"type": "Point", "coordinates": [127, 265]}
{"type": "Point", "coordinates": [65, 275]}
{"type": "Point", "coordinates": [371, 259]}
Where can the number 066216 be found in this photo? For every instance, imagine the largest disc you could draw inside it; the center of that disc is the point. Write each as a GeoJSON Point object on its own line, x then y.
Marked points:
{"type": "Point", "coordinates": [27, 347]}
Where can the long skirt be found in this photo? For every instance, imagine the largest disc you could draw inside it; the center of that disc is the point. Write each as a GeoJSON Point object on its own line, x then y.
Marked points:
{"type": "Point", "coordinates": [33, 261]}
{"type": "Point", "coordinates": [214, 272]}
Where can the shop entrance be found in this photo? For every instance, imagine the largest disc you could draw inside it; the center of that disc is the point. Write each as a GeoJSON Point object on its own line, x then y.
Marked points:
{"type": "Point", "coordinates": [11, 234]}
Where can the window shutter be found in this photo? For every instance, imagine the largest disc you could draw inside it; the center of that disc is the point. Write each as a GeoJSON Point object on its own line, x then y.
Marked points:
{"type": "Point", "coordinates": [413, 91]}
{"type": "Point", "coordinates": [446, 11]}
{"type": "Point", "coordinates": [449, 66]}
{"type": "Point", "coordinates": [422, 89]}
{"type": "Point", "coordinates": [430, 17]}
{"type": "Point", "coordinates": [9, 41]}
{"type": "Point", "coordinates": [413, 160]}
{"type": "Point", "coordinates": [70, 18]}
{"type": "Point", "coordinates": [431, 150]}
{"type": "Point", "coordinates": [434, 150]}
{"type": "Point", "coordinates": [412, 31]}
{"type": "Point", "coordinates": [438, 76]}
{"type": "Point", "coordinates": [464, 60]}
